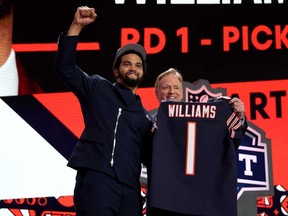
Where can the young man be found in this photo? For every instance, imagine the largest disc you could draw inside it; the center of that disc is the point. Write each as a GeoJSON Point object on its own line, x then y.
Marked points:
{"type": "Point", "coordinates": [193, 168]}
{"type": "Point", "coordinates": [107, 156]}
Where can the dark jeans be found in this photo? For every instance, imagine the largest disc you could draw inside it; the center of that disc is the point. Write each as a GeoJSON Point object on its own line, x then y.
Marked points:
{"type": "Point", "coordinates": [96, 193]}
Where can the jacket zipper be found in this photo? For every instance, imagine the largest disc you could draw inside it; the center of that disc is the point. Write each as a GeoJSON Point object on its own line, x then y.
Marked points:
{"type": "Point", "coordinates": [114, 140]}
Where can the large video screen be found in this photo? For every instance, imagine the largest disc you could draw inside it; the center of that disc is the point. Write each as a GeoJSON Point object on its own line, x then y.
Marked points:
{"type": "Point", "coordinates": [235, 48]}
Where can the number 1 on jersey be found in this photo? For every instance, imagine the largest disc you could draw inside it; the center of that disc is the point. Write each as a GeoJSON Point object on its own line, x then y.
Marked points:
{"type": "Point", "coordinates": [191, 148]}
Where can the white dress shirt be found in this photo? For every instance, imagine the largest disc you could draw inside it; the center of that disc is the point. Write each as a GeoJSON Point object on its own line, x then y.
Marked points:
{"type": "Point", "coordinates": [9, 80]}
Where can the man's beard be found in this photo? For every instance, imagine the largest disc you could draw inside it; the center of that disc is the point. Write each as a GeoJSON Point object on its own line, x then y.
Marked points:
{"type": "Point", "coordinates": [128, 81]}
{"type": "Point", "coordinates": [5, 8]}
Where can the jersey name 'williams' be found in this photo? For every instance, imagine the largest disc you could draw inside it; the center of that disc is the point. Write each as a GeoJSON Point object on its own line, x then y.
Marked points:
{"type": "Point", "coordinates": [192, 110]}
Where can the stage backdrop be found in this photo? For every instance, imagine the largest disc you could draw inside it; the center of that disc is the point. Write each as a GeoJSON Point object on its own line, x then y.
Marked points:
{"type": "Point", "coordinates": [238, 48]}
{"type": "Point", "coordinates": [217, 40]}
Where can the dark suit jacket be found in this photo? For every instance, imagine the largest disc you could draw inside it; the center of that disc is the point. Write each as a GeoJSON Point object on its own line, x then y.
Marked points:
{"type": "Point", "coordinates": [116, 124]}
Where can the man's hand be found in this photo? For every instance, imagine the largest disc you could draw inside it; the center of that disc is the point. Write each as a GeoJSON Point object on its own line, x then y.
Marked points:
{"type": "Point", "coordinates": [83, 16]}
{"type": "Point", "coordinates": [238, 107]}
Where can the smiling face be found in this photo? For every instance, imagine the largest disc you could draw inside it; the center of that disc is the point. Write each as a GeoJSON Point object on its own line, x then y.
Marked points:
{"type": "Point", "coordinates": [169, 87]}
{"type": "Point", "coordinates": [130, 72]}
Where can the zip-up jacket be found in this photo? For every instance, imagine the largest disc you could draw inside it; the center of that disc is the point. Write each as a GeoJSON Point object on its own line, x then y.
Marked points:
{"type": "Point", "coordinates": [116, 124]}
